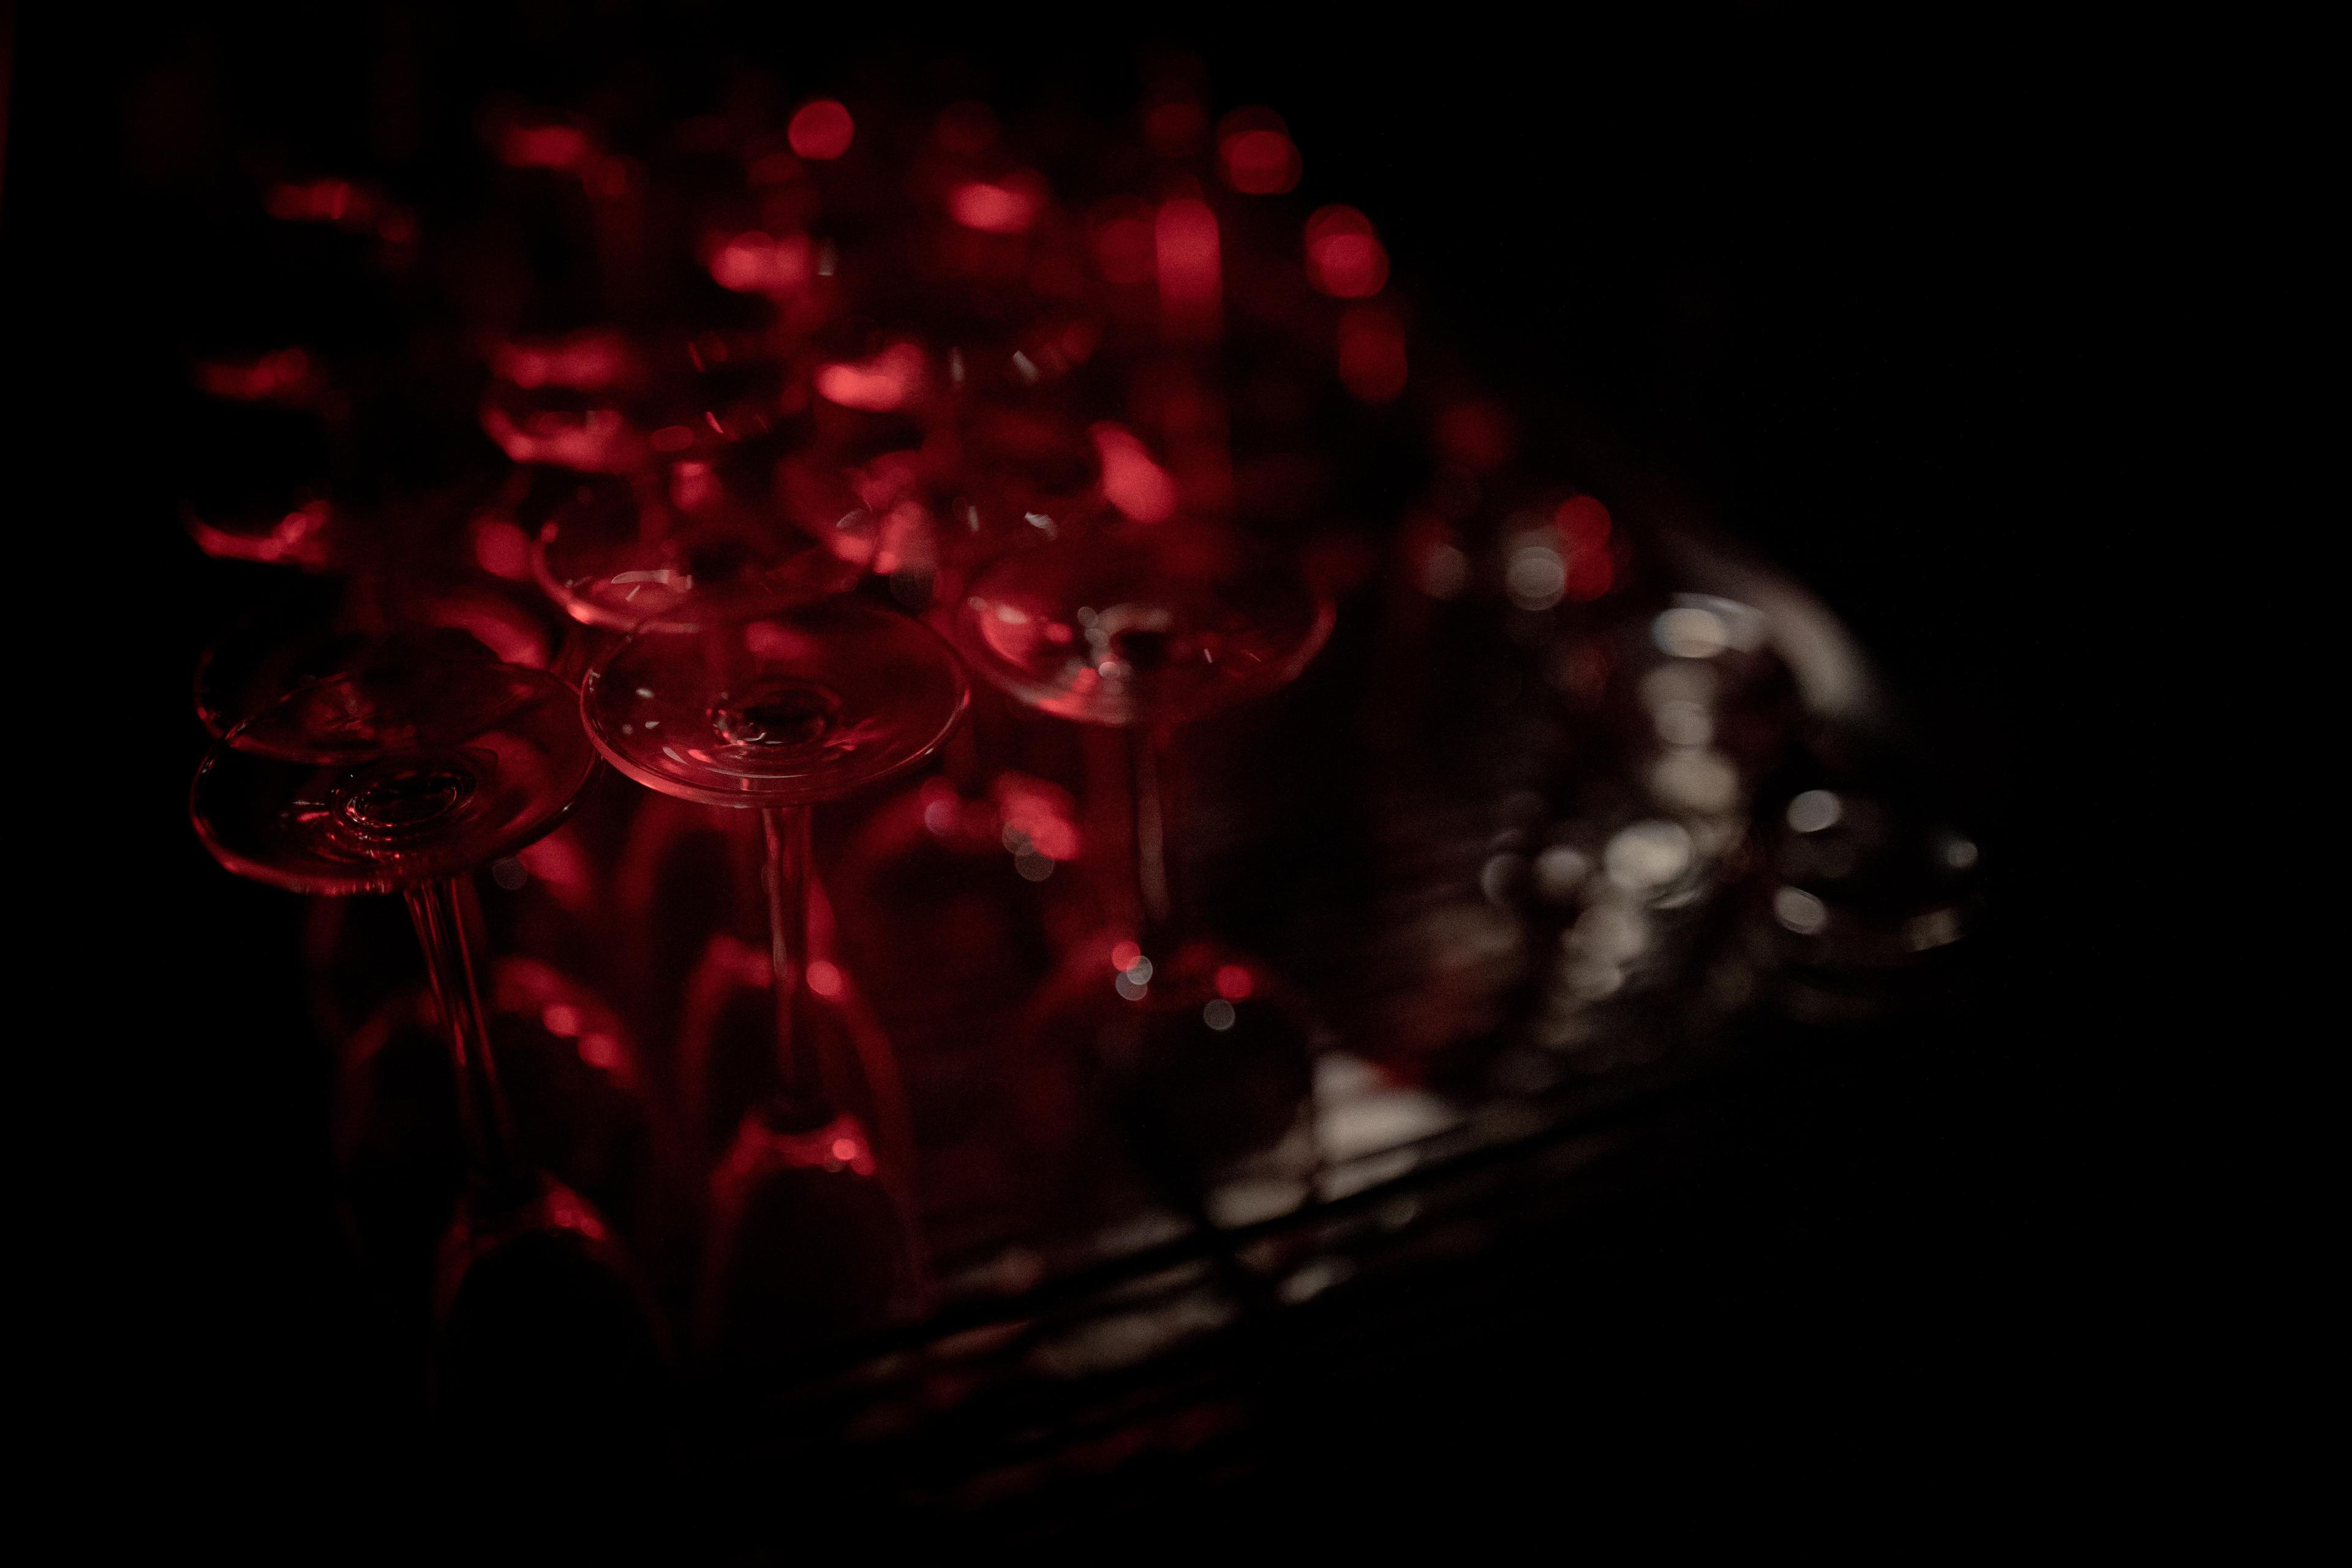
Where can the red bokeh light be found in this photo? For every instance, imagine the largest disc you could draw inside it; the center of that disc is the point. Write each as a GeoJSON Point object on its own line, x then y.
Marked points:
{"type": "Point", "coordinates": [1344, 258]}
{"type": "Point", "coordinates": [771, 169]}
{"type": "Point", "coordinates": [1585, 537]}
{"type": "Point", "coordinates": [1123, 241]}
{"type": "Point", "coordinates": [561, 867]}
{"type": "Point", "coordinates": [761, 264]}
{"type": "Point", "coordinates": [1478, 436]}
{"type": "Point", "coordinates": [340, 202]}
{"type": "Point", "coordinates": [1132, 480]}
{"type": "Point", "coordinates": [497, 625]}
{"type": "Point", "coordinates": [545, 147]}
{"type": "Point", "coordinates": [1234, 982]}
{"type": "Point", "coordinates": [502, 548]}
{"type": "Point", "coordinates": [1583, 523]}
{"type": "Point", "coordinates": [1590, 576]}
{"type": "Point", "coordinates": [1174, 127]}
{"type": "Point", "coordinates": [1041, 813]}
{"type": "Point", "coordinates": [283, 376]}
{"type": "Point", "coordinates": [595, 441]}
{"type": "Point", "coordinates": [1371, 353]}
{"type": "Point", "coordinates": [1190, 263]}
{"type": "Point", "coordinates": [585, 362]}
{"type": "Point", "coordinates": [1008, 208]}
{"type": "Point", "coordinates": [1254, 152]}
{"type": "Point", "coordinates": [891, 380]}
{"type": "Point", "coordinates": [299, 538]}
{"type": "Point", "coordinates": [825, 979]}
{"type": "Point", "coordinates": [820, 129]}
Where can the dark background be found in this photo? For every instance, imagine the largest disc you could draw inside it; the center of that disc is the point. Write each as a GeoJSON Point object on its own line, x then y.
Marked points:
{"type": "Point", "coordinates": [1862, 294]}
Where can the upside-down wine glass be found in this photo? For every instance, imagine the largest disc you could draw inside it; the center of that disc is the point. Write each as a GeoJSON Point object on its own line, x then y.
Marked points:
{"type": "Point", "coordinates": [777, 705]}
{"type": "Point", "coordinates": [406, 779]}
{"type": "Point", "coordinates": [1201, 1050]}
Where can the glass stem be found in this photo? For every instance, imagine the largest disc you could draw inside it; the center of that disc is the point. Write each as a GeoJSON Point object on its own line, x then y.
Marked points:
{"type": "Point", "coordinates": [811, 1070]}
{"type": "Point", "coordinates": [437, 910]}
{"type": "Point", "coordinates": [1148, 835]}
{"type": "Point", "coordinates": [786, 830]}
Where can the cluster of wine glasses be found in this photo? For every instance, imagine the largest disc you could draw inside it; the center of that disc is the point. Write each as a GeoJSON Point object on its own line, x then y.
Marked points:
{"type": "Point", "coordinates": [650, 497]}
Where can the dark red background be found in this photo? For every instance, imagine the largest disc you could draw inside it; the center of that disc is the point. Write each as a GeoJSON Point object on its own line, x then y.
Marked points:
{"type": "Point", "coordinates": [1866, 296]}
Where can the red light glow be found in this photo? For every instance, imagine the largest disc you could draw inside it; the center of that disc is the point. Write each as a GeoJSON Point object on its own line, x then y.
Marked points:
{"type": "Point", "coordinates": [1344, 258]}
{"type": "Point", "coordinates": [1125, 955]}
{"type": "Point", "coordinates": [1185, 249]}
{"type": "Point", "coordinates": [280, 377]}
{"type": "Point", "coordinates": [545, 147]}
{"type": "Point", "coordinates": [692, 486]}
{"type": "Point", "coordinates": [777, 168]}
{"type": "Point", "coordinates": [780, 643]}
{"type": "Point", "coordinates": [1584, 529]}
{"type": "Point", "coordinates": [319, 201]}
{"type": "Point", "coordinates": [561, 867]}
{"type": "Point", "coordinates": [1174, 127]}
{"type": "Point", "coordinates": [1131, 480]}
{"type": "Point", "coordinates": [820, 129]}
{"type": "Point", "coordinates": [610, 177]}
{"type": "Point", "coordinates": [1590, 575]}
{"type": "Point", "coordinates": [299, 538]}
{"type": "Point", "coordinates": [498, 624]}
{"type": "Point", "coordinates": [761, 264]}
{"type": "Point", "coordinates": [585, 362]}
{"type": "Point", "coordinates": [1255, 154]}
{"type": "Point", "coordinates": [593, 440]}
{"type": "Point", "coordinates": [1371, 353]}
{"type": "Point", "coordinates": [825, 979]}
{"type": "Point", "coordinates": [1234, 982]}
{"type": "Point", "coordinates": [1583, 521]}
{"type": "Point", "coordinates": [887, 381]}
{"type": "Point", "coordinates": [1478, 436]}
{"type": "Point", "coordinates": [502, 548]}
{"type": "Point", "coordinates": [1041, 813]}
{"type": "Point", "coordinates": [1123, 241]}
{"type": "Point", "coordinates": [1009, 209]}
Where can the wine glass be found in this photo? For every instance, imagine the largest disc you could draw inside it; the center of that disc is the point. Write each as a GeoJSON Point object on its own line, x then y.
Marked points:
{"type": "Point", "coordinates": [1201, 1050]}
{"type": "Point", "coordinates": [325, 626]}
{"type": "Point", "coordinates": [775, 707]}
{"type": "Point", "coordinates": [405, 778]}
{"type": "Point", "coordinates": [616, 553]}
{"type": "Point", "coordinates": [575, 1086]}
{"type": "Point", "coordinates": [253, 487]}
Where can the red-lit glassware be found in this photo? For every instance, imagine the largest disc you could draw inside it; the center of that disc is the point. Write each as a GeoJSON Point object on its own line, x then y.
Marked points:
{"type": "Point", "coordinates": [615, 553]}
{"type": "Point", "coordinates": [405, 778]}
{"type": "Point", "coordinates": [1200, 1050]}
{"type": "Point", "coordinates": [778, 709]}
{"type": "Point", "coordinates": [573, 1079]}
{"type": "Point", "coordinates": [254, 487]}
{"type": "Point", "coordinates": [323, 632]}
{"type": "Point", "coordinates": [289, 356]}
